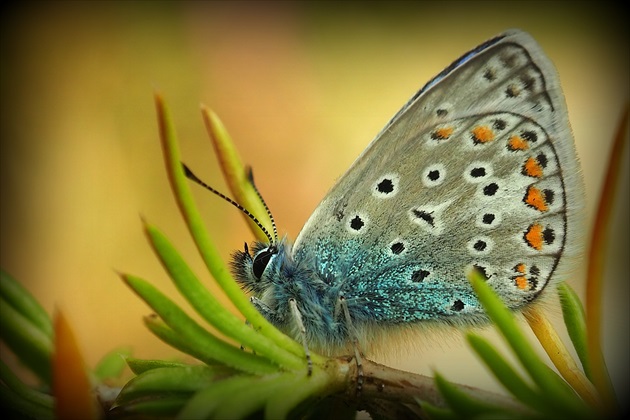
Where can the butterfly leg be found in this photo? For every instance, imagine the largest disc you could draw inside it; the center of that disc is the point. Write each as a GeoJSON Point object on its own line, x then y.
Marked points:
{"type": "Point", "coordinates": [297, 317]}
{"type": "Point", "coordinates": [262, 307]}
{"type": "Point", "coordinates": [355, 343]}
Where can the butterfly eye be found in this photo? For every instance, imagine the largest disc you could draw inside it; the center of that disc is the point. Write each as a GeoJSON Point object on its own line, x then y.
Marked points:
{"type": "Point", "coordinates": [261, 260]}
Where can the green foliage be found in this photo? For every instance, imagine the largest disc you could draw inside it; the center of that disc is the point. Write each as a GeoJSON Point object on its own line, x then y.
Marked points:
{"type": "Point", "coordinates": [543, 393]}
{"type": "Point", "coordinates": [26, 328]}
{"type": "Point", "coordinates": [575, 321]}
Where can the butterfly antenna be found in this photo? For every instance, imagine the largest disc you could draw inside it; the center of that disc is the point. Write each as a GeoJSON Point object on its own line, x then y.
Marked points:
{"type": "Point", "coordinates": [190, 175]}
{"type": "Point", "coordinates": [250, 176]}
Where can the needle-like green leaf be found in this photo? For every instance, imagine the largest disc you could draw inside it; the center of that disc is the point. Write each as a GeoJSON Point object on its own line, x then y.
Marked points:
{"type": "Point", "coordinates": [24, 303]}
{"type": "Point", "coordinates": [194, 334]}
{"type": "Point", "coordinates": [27, 340]}
{"type": "Point", "coordinates": [575, 321]}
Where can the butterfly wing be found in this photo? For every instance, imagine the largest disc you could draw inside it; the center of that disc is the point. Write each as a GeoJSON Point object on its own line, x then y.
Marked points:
{"type": "Point", "coordinates": [477, 169]}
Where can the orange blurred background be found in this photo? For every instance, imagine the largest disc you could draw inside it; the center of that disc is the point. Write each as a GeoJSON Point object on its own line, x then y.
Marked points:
{"type": "Point", "coordinates": [302, 89]}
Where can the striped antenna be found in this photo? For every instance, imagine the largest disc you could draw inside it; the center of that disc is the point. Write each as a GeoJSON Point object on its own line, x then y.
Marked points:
{"type": "Point", "coordinates": [250, 176]}
{"type": "Point", "coordinates": [190, 175]}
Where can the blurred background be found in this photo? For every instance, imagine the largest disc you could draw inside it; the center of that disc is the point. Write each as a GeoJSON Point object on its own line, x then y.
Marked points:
{"type": "Point", "coordinates": [301, 87]}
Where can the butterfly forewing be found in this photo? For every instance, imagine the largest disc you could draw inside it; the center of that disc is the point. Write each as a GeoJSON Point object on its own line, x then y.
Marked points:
{"type": "Point", "coordinates": [477, 170]}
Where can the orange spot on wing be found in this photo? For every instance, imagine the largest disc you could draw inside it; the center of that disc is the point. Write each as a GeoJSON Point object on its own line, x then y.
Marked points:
{"type": "Point", "coordinates": [535, 198]}
{"type": "Point", "coordinates": [482, 134]}
{"type": "Point", "coordinates": [520, 268]}
{"type": "Point", "coordinates": [517, 143]}
{"type": "Point", "coordinates": [442, 133]}
{"type": "Point", "coordinates": [521, 282]}
{"type": "Point", "coordinates": [534, 236]}
{"type": "Point", "coordinates": [532, 168]}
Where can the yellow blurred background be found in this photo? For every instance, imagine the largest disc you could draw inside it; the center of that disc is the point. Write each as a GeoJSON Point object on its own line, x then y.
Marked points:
{"type": "Point", "coordinates": [302, 88]}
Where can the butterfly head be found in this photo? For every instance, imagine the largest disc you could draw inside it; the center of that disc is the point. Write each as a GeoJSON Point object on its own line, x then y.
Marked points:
{"type": "Point", "coordinates": [254, 269]}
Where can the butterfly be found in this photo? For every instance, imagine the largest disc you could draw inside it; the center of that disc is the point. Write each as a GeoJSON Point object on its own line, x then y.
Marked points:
{"type": "Point", "coordinates": [478, 170]}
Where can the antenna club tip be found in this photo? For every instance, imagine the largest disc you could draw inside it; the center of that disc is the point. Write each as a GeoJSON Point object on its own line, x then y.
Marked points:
{"type": "Point", "coordinates": [189, 174]}
{"type": "Point", "coordinates": [250, 174]}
